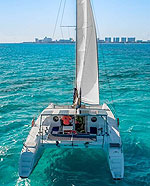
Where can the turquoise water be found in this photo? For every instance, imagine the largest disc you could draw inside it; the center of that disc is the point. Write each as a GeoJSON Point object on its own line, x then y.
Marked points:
{"type": "Point", "coordinates": [32, 76]}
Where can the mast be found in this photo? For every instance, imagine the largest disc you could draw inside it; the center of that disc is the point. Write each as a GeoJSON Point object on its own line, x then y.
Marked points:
{"type": "Point", "coordinates": [75, 96]}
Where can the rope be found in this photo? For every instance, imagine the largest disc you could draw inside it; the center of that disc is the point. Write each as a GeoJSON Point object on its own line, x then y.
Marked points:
{"type": "Point", "coordinates": [57, 18]}
{"type": "Point", "coordinates": [62, 19]}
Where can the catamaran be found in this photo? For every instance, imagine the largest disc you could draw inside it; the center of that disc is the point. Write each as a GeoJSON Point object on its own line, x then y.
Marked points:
{"type": "Point", "coordinates": [85, 123]}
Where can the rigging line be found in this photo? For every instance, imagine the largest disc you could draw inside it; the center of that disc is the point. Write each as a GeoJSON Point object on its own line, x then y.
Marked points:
{"type": "Point", "coordinates": [57, 18]}
{"type": "Point", "coordinates": [108, 80]}
{"type": "Point", "coordinates": [62, 26]}
{"type": "Point", "coordinates": [62, 19]}
{"type": "Point", "coordinates": [55, 25]}
{"type": "Point", "coordinates": [97, 27]}
{"type": "Point", "coordinates": [103, 59]}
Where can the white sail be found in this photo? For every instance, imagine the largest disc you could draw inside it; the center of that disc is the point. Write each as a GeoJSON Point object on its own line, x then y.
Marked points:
{"type": "Point", "coordinates": [86, 57]}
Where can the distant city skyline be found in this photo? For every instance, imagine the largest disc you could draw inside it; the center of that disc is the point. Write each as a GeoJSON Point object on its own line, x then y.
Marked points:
{"type": "Point", "coordinates": [24, 20]}
{"type": "Point", "coordinates": [106, 40]}
{"type": "Point", "coordinates": [109, 39]}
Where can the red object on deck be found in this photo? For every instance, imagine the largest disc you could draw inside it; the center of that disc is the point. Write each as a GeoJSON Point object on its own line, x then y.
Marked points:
{"type": "Point", "coordinates": [72, 132]}
{"type": "Point", "coordinates": [118, 121]}
{"type": "Point", "coordinates": [66, 120]}
{"type": "Point", "coordinates": [33, 122]}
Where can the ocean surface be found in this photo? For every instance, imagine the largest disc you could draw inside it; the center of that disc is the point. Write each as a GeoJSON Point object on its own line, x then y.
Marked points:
{"type": "Point", "coordinates": [32, 76]}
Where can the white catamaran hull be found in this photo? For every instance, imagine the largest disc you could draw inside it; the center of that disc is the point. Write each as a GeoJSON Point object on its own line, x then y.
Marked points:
{"type": "Point", "coordinates": [38, 139]}
{"type": "Point", "coordinates": [113, 147]}
{"type": "Point", "coordinates": [31, 153]}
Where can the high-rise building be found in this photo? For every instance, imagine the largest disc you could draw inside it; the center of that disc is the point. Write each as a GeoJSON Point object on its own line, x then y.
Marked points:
{"type": "Point", "coordinates": [117, 39]}
{"type": "Point", "coordinates": [36, 40]}
{"type": "Point", "coordinates": [123, 39]}
{"type": "Point", "coordinates": [107, 39]}
{"type": "Point", "coordinates": [131, 40]}
{"type": "Point", "coordinates": [139, 41]}
{"type": "Point", "coordinates": [47, 40]}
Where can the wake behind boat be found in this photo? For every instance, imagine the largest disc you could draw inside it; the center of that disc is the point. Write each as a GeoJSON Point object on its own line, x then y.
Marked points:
{"type": "Point", "coordinates": [85, 123]}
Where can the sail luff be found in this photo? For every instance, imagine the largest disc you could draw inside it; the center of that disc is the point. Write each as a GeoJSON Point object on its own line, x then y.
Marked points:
{"type": "Point", "coordinates": [86, 54]}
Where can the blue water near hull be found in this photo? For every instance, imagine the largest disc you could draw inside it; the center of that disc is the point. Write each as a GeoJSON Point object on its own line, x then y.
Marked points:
{"type": "Point", "coordinates": [32, 76]}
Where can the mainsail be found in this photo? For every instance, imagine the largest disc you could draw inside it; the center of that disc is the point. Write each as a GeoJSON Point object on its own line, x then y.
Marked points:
{"type": "Point", "coordinates": [86, 54]}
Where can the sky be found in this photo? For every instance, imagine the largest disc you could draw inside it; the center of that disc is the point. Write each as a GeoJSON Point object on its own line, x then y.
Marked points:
{"type": "Point", "coordinates": [25, 20]}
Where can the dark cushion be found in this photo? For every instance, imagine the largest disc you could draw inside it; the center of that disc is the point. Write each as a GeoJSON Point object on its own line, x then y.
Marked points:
{"type": "Point", "coordinates": [93, 130]}
{"type": "Point", "coordinates": [55, 129]}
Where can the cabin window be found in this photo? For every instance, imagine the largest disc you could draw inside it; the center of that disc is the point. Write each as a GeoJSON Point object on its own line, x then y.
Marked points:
{"type": "Point", "coordinates": [55, 118]}
{"type": "Point", "coordinates": [93, 119]}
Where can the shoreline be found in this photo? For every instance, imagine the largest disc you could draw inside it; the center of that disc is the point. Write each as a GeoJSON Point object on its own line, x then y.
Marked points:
{"type": "Point", "coordinates": [74, 43]}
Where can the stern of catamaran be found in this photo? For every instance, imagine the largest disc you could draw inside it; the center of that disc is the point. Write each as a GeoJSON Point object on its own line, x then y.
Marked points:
{"type": "Point", "coordinates": [64, 126]}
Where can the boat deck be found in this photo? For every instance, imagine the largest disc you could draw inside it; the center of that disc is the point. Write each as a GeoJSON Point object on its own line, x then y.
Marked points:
{"type": "Point", "coordinates": [71, 138]}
